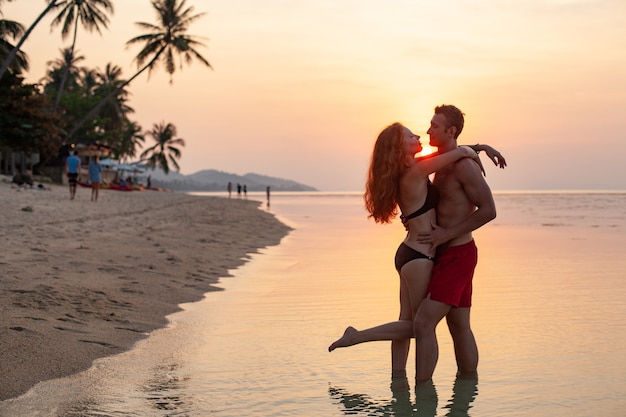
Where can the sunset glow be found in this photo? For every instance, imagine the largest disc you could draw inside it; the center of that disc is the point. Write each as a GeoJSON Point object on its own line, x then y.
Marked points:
{"type": "Point", "coordinates": [426, 150]}
{"type": "Point", "coordinates": [300, 90]}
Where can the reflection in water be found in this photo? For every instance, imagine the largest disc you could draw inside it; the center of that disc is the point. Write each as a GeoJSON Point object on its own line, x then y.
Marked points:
{"type": "Point", "coordinates": [86, 408]}
{"type": "Point", "coordinates": [165, 390]}
{"type": "Point", "coordinates": [426, 399]}
{"type": "Point", "coordinates": [464, 392]}
{"type": "Point", "coordinates": [317, 275]}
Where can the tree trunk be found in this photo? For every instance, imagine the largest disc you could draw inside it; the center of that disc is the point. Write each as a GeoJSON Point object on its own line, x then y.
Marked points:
{"type": "Point", "coordinates": [67, 68]}
{"type": "Point", "coordinates": [98, 106]}
{"type": "Point", "coordinates": [9, 59]}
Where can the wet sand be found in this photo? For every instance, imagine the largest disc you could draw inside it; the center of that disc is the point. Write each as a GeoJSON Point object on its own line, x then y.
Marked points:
{"type": "Point", "coordinates": [82, 280]}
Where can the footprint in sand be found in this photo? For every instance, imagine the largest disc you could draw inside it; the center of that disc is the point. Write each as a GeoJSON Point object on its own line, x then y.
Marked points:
{"type": "Point", "coordinates": [105, 344]}
{"type": "Point", "coordinates": [21, 329]}
{"type": "Point", "coordinates": [65, 329]}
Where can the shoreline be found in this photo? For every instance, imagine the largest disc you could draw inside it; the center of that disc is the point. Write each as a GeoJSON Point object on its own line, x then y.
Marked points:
{"type": "Point", "coordinates": [84, 280]}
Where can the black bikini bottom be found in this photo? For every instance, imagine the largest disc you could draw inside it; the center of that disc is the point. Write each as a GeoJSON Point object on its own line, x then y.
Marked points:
{"type": "Point", "coordinates": [406, 254]}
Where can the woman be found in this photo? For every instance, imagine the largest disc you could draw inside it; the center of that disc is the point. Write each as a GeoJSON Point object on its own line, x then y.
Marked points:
{"type": "Point", "coordinates": [95, 176]}
{"type": "Point", "coordinates": [398, 180]}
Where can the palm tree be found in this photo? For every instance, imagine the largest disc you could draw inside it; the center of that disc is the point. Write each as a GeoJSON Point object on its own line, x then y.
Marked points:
{"type": "Point", "coordinates": [164, 151]}
{"type": "Point", "coordinates": [115, 109]}
{"type": "Point", "coordinates": [13, 30]}
{"type": "Point", "coordinates": [17, 47]}
{"type": "Point", "coordinates": [67, 64]}
{"type": "Point", "coordinates": [162, 43]}
{"type": "Point", "coordinates": [169, 38]}
{"type": "Point", "coordinates": [131, 139]}
{"type": "Point", "coordinates": [88, 80]}
{"type": "Point", "coordinates": [90, 16]}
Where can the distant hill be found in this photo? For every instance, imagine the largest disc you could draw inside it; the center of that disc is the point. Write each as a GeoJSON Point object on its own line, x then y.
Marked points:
{"type": "Point", "coordinates": [213, 180]}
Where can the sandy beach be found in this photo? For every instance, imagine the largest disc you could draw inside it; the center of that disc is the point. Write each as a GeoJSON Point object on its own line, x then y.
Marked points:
{"type": "Point", "coordinates": [83, 280]}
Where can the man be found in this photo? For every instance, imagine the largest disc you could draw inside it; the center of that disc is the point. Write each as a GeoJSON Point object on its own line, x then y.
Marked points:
{"type": "Point", "coordinates": [72, 168]}
{"type": "Point", "coordinates": [465, 204]}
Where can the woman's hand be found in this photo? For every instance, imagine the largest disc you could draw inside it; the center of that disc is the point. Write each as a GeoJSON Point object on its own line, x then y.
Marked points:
{"type": "Point", "coordinates": [494, 155]}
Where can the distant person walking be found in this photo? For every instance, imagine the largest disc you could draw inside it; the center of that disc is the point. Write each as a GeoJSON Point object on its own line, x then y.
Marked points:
{"type": "Point", "coordinates": [238, 190]}
{"type": "Point", "coordinates": [267, 194]}
{"type": "Point", "coordinates": [72, 169]}
{"type": "Point", "coordinates": [230, 189]}
{"type": "Point", "coordinates": [245, 190]}
{"type": "Point", "coordinates": [95, 177]}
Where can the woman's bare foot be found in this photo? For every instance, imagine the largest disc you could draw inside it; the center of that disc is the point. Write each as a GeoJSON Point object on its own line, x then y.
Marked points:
{"type": "Point", "coordinates": [348, 339]}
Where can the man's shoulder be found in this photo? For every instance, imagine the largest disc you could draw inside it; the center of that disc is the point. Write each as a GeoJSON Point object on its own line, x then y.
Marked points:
{"type": "Point", "coordinates": [465, 167]}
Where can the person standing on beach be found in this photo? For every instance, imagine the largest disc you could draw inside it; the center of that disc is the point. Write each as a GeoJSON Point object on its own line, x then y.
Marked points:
{"type": "Point", "coordinates": [398, 180]}
{"type": "Point", "coordinates": [95, 176]}
{"type": "Point", "coordinates": [465, 204]}
{"type": "Point", "coordinates": [72, 169]}
{"type": "Point", "coordinates": [401, 331]}
{"type": "Point", "coordinates": [230, 188]}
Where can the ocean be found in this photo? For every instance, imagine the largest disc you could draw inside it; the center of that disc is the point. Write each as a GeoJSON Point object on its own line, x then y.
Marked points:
{"type": "Point", "coordinates": [549, 316]}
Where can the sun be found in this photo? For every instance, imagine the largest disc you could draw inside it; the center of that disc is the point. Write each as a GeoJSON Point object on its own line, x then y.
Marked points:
{"type": "Point", "coordinates": [426, 150]}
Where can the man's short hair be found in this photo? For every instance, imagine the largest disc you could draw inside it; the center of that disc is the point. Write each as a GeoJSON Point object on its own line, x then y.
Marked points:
{"type": "Point", "coordinates": [454, 116]}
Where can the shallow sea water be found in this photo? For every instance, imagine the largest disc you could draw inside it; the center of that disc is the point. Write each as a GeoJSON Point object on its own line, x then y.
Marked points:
{"type": "Point", "coordinates": [549, 316]}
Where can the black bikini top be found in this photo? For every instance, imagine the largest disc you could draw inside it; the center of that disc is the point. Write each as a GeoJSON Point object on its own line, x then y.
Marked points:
{"type": "Point", "coordinates": [432, 198]}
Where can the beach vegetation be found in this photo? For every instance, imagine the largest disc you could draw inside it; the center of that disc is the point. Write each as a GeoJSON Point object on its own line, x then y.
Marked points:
{"type": "Point", "coordinates": [90, 13]}
{"type": "Point", "coordinates": [26, 125]}
{"type": "Point", "coordinates": [163, 42]}
{"type": "Point", "coordinates": [66, 65]}
{"type": "Point", "coordinates": [73, 103]}
{"type": "Point", "coordinates": [132, 138]}
{"type": "Point", "coordinates": [10, 31]}
{"type": "Point", "coordinates": [16, 51]}
{"type": "Point", "coordinates": [165, 151]}
{"type": "Point", "coordinates": [84, 88]}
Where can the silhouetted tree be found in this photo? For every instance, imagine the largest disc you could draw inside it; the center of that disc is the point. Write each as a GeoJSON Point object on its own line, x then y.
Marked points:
{"type": "Point", "coordinates": [90, 16]}
{"type": "Point", "coordinates": [164, 151]}
{"type": "Point", "coordinates": [12, 30]}
{"type": "Point", "coordinates": [16, 48]}
{"type": "Point", "coordinates": [163, 42]}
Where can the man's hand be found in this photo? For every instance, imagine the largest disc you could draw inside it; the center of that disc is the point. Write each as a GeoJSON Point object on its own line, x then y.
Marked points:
{"type": "Point", "coordinates": [437, 236]}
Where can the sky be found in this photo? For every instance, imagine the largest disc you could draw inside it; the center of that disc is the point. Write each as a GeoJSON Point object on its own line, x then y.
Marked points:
{"type": "Point", "coordinates": [300, 89]}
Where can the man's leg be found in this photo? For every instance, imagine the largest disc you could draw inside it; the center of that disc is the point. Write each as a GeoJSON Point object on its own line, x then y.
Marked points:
{"type": "Point", "coordinates": [465, 348]}
{"type": "Point", "coordinates": [428, 316]}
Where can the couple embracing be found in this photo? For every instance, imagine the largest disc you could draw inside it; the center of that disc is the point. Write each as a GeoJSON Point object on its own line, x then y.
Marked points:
{"type": "Point", "coordinates": [436, 259]}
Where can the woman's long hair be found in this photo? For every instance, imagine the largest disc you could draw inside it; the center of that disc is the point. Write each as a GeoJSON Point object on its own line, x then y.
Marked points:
{"type": "Point", "coordinates": [387, 165]}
